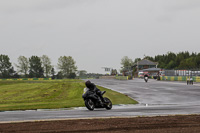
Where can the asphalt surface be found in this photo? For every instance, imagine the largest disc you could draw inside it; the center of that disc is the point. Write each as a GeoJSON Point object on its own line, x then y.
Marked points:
{"type": "Point", "coordinates": [156, 98]}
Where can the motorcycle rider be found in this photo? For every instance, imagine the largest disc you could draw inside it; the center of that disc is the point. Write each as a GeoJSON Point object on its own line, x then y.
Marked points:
{"type": "Point", "coordinates": [92, 87]}
{"type": "Point", "coordinates": [146, 77]}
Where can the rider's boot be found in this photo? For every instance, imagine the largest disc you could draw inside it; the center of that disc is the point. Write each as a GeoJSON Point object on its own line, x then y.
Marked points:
{"type": "Point", "coordinates": [100, 101]}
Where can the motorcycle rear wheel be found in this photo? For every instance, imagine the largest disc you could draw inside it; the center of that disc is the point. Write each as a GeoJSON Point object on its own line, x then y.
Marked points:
{"type": "Point", "coordinates": [108, 105]}
{"type": "Point", "coordinates": [89, 104]}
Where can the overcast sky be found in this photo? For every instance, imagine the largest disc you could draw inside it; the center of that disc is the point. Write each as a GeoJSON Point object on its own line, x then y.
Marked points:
{"type": "Point", "coordinates": [98, 33]}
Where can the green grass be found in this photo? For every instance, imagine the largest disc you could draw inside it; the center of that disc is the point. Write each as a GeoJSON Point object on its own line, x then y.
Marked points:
{"type": "Point", "coordinates": [52, 94]}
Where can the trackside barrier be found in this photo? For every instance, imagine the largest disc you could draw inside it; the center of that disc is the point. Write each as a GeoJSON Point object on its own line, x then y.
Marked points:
{"type": "Point", "coordinates": [121, 77]}
{"type": "Point", "coordinates": [180, 78]}
{"type": "Point", "coordinates": [22, 79]}
{"type": "Point", "coordinates": [107, 77]}
{"type": "Point", "coordinates": [174, 78]}
{"type": "Point", "coordinates": [196, 78]}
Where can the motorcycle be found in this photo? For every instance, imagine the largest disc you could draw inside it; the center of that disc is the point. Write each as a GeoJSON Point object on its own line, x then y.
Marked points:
{"type": "Point", "coordinates": [92, 100]}
{"type": "Point", "coordinates": [146, 79]}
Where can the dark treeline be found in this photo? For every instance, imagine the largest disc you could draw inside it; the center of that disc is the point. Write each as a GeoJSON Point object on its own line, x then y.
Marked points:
{"type": "Point", "coordinates": [37, 67]}
{"type": "Point", "coordinates": [181, 60]}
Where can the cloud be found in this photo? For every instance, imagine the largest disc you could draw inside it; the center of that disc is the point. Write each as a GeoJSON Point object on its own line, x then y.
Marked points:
{"type": "Point", "coordinates": [169, 10]}
{"type": "Point", "coordinates": [98, 33]}
{"type": "Point", "coordinates": [15, 6]}
{"type": "Point", "coordinates": [181, 5]}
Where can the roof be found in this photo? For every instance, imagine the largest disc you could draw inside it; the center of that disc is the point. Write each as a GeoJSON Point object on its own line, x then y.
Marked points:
{"type": "Point", "coordinates": [147, 62]}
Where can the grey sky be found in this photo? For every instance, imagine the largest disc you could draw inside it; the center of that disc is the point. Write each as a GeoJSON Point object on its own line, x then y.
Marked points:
{"type": "Point", "coordinates": [98, 33]}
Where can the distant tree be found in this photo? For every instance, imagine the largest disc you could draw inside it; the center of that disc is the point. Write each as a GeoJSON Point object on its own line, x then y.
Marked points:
{"type": "Point", "coordinates": [126, 63]}
{"type": "Point", "coordinates": [178, 60]}
{"type": "Point", "coordinates": [35, 67]}
{"type": "Point", "coordinates": [170, 57]}
{"type": "Point", "coordinates": [137, 59]}
{"type": "Point", "coordinates": [72, 76]}
{"type": "Point", "coordinates": [66, 65]}
{"type": "Point", "coordinates": [6, 69]}
{"type": "Point", "coordinates": [16, 75]}
{"type": "Point", "coordinates": [189, 63]}
{"type": "Point", "coordinates": [23, 65]}
{"type": "Point", "coordinates": [46, 64]}
{"type": "Point", "coordinates": [198, 60]}
{"type": "Point", "coordinates": [171, 65]}
{"type": "Point", "coordinates": [82, 73]}
{"type": "Point", "coordinates": [11, 72]}
{"type": "Point", "coordinates": [94, 75]}
{"type": "Point", "coordinates": [113, 72]}
{"type": "Point", "coordinates": [53, 73]}
{"type": "Point", "coordinates": [149, 58]}
{"type": "Point", "coordinates": [186, 54]}
{"type": "Point", "coordinates": [59, 75]}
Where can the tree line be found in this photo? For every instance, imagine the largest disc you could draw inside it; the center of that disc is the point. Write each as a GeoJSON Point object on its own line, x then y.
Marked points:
{"type": "Point", "coordinates": [181, 60]}
{"type": "Point", "coordinates": [37, 67]}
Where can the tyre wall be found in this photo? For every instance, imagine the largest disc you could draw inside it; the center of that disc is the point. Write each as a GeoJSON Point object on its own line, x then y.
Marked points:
{"type": "Point", "coordinates": [180, 78]}
{"type": "Point", "coordinates": [122, 77]}
{"type": "Point", "coordinates": [26, 79]}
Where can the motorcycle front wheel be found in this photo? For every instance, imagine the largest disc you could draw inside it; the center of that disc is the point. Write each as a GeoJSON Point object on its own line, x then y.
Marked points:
{"type": "Point", "coordinates": [108, 103]}
{"type": "Point", "coordinates": [89, 104]}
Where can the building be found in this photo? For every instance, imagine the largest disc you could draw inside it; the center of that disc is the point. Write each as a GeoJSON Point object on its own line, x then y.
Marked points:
{"type": "Point", "coordinates": [144, 64]}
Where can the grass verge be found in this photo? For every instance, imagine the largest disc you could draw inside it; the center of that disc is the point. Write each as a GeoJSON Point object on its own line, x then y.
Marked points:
{"type": "Point", "coordinates": [30, 95]}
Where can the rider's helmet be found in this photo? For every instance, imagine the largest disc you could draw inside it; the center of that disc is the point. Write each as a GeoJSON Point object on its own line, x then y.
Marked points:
{"type": "Point", "coordinates": [88, 84]}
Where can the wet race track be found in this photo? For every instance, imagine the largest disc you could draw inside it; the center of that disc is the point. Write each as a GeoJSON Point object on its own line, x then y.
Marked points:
{"type": "Point", "coordinates": [155, 98]}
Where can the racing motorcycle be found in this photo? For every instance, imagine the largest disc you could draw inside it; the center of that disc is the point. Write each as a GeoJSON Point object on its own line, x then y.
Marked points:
{"type": "Point", "coordinates": [146, 78]}
{"type": "Point", "coordinates": [92, 100]}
